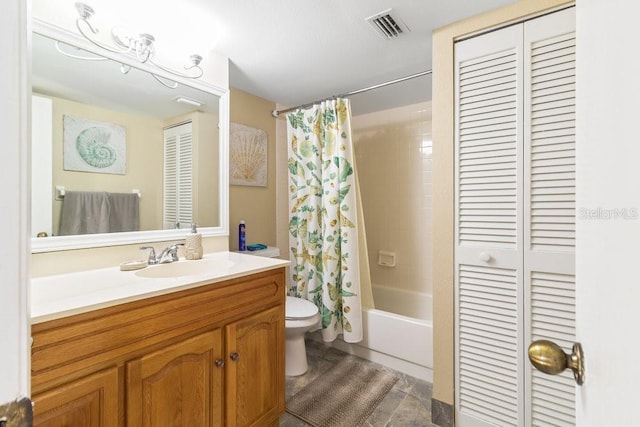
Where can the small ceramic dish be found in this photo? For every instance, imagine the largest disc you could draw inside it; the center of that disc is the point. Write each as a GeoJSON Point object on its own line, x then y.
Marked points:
{"type": "Point", "coordinates": [133, 265]}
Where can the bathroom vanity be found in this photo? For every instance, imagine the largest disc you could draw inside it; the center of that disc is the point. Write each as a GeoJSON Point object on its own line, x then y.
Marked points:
{"type": "Point", "coordinates": [162, 348]}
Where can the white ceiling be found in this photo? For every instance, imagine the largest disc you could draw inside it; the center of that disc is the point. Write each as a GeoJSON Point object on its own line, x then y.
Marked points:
{"type": "Point", "coordinates": [101, 83]}
{"type": "Point", "coordinates": [297, 51]}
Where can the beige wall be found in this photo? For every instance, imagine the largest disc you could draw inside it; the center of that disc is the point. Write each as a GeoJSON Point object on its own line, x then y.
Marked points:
{"type": "Point", "coordinates": [443, 178]}
{"type": "Point", "coordinates": [60, 262]}
{"type": "Point", "coordinates": [144, 160]}
{"type": "Point", "coordinates": [206, 187]}
{"type": "Point", "coordinates": [255, 205]}
{"type": "Point", "coordinates": [394, 161]}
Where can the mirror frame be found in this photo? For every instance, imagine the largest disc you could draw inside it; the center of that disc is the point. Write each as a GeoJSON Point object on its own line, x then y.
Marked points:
{"type": "Point", "coordinates": [61, 243]}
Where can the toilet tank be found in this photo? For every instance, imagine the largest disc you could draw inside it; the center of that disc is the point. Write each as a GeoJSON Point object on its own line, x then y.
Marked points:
{"type": "Point", "coordinates": [270, 252]}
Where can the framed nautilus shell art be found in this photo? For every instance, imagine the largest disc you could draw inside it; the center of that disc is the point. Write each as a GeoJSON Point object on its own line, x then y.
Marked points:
{"type": "Point", "coordinates": [93, 146]}
{"type": "Point", "coordinates": [247, 156]}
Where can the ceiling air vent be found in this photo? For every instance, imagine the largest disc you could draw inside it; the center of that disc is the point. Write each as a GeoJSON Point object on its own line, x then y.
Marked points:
{"type": "Point", "coordinates": [387, 24]}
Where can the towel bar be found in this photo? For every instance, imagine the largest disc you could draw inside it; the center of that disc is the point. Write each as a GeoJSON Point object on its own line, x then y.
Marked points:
{"type": "Point", "coordinates": [61, 190]}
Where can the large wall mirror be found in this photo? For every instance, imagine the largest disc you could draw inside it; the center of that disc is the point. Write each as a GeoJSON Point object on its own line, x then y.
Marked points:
{"type": "Point", "coordinates": [145, 146]}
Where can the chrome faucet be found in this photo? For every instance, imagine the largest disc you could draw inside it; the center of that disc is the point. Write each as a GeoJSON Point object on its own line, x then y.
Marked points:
{"type": "Point", "coordinates": [168, 254]}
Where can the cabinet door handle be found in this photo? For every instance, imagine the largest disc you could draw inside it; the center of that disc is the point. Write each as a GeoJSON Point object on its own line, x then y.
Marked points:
{"type": "Point", "coordinates": [234, 356]}
{"type": "Point", "coordinates": [219, 363]}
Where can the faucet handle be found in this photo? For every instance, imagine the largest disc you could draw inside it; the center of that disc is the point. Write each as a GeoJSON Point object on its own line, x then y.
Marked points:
{"type": "Point", "coordinates": [174, 250]}
{"type": "Point", "coordinates": [152, 254]}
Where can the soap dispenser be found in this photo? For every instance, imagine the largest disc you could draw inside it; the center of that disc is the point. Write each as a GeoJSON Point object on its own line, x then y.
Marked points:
{"type": "Point", "coordinates": [193, 244]}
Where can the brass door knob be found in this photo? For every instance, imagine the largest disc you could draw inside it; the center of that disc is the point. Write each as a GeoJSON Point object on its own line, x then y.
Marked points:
{"type": "Point", "coordinates": [548, 357]}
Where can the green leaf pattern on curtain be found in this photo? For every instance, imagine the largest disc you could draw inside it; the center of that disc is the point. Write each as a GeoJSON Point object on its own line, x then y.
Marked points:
{"type": "Point", "coordinates": [322, 226]}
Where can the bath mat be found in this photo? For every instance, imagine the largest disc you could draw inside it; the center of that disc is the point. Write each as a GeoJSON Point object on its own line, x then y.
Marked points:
{"type": "Point", "coordinates": [344, 396]}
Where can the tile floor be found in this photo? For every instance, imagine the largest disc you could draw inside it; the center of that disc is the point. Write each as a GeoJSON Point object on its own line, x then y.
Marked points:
{"type": "Point", "coordinates": [408, 403]}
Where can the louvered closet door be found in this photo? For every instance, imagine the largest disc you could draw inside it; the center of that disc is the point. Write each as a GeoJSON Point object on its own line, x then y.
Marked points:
{"type": "Point", "coordinates": [178, 176]}
{"type": "Point", "coordinates": [515, 190]}
{"type": "Point", "coordinates": [549, 246]}
{"type": "Point", "coordinates": [488, 171]}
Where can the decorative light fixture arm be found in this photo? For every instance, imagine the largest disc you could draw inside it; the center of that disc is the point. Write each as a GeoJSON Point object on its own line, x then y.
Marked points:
{"type": "Point", "coordinates": [171, 85]}
{"type": "Point", "coordinates": [141, 46]}
{"type": "Point", "coordinates": [59, 48]}
{"type": "Point", "coordinates": [193, 65]}
{"type": "Point", "coordinates": [85, 12]}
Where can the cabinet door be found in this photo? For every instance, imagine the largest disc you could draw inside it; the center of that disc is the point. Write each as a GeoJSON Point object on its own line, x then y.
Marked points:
{"type": "Point", "coordinates": [255, 369]}
{"type": "Point", "coordinates": [180, 385]}
{"type": "Point", "coordinates": [90, 401]}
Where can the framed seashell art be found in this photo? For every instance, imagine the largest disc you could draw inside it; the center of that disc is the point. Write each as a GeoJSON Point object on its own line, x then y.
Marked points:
{"type": "Point", "coordinates": [93, 146]}
{"type": "Point", "coordinates": [247, 156]}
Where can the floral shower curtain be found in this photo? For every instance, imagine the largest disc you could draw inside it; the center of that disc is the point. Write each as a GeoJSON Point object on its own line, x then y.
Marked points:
{"type": "Point", "coordinates": [323, 221]}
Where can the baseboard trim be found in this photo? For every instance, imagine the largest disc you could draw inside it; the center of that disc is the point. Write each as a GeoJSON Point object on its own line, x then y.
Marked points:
{"type": "Point", "coordinates": [441, 413]}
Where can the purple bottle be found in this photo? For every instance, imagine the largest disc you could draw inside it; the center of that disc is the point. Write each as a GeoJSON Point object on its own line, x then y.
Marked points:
{"type": "Point", "coordinates": [242, 243]}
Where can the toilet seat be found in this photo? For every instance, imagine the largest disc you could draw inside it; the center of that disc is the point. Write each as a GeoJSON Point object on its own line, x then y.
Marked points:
{"type": "Point", "coordinates": [298, 308]}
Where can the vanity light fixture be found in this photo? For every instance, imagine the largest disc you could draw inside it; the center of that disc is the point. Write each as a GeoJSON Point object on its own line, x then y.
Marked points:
{"type": "Point", "coordinates": [140, 46]}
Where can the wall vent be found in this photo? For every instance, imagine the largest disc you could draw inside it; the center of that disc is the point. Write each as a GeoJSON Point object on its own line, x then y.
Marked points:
{"type": "Point", "coordinates": [387, 24]}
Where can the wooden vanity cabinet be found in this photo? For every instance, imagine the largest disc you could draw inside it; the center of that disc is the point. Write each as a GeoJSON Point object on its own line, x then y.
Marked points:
{"type": "Point", "coordinates": [206, 356]}
{"type": "Point", "coordinates": [249, 392]}
{"type": "Point", "coordinates": [88, 401]}
{"type": "Point", "coordinates": [177, 385]}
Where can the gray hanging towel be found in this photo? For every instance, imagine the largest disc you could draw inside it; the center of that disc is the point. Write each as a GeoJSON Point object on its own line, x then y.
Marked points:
{"type": "Point", "coordinates": [124, 212]}
{"type": "Point", "coordinates": [84, 212]}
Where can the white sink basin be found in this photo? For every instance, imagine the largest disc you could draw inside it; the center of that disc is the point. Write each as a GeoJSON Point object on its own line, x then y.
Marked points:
{"type": "Point", "coordinates": [185, 268]}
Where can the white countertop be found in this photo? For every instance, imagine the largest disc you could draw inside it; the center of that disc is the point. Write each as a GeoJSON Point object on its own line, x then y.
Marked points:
{"type": "Point", "coordinates": [61, 295]}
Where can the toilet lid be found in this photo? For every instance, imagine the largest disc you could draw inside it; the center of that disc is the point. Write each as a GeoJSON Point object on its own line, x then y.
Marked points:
{"type": "Point", "coordinates": [298, 308]}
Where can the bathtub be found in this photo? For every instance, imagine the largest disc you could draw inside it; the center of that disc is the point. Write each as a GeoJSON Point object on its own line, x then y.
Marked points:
{"type": "Point", "coordinates": [417, 305]}
{"type": "Point", "coordinates": [397, 341]}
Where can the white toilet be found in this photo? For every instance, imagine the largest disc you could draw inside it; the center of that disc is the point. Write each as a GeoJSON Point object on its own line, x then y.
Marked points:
{"type": "Point", "coordinates": [300, 316]}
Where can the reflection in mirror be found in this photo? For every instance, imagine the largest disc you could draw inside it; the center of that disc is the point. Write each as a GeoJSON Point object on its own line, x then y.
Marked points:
{"type": "Point", "coordinates": [143, 156]}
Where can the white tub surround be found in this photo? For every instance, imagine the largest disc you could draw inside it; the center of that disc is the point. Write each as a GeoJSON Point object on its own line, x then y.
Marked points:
{"type": "Point", "coordinates": [62, 295]}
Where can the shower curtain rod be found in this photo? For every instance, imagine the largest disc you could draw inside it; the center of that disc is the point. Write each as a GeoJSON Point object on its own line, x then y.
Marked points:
{"type": "Point", "coordinates": [276, 113]}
